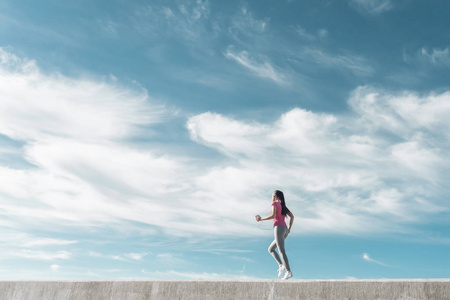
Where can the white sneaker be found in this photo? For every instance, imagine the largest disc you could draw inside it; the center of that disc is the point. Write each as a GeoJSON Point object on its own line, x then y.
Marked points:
{"type": "Point", "coordinates": [281, 270]}
{"type": "Point", "coordinates": [288, 275]}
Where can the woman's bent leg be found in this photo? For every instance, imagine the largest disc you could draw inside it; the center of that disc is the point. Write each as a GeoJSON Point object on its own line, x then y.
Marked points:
{"type": "Point", "coordinates": [273, 252]}
{"type": "Point", "coordinates": [280, 235]}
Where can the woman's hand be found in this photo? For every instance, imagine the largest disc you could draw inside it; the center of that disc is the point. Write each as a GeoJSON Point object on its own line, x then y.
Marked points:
{"type": "Point", "coordinates": [258, 218]}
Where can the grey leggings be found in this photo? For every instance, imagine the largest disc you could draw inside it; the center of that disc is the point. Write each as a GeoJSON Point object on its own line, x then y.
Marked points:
{"type": "Point", "coordinates": [281, 234]}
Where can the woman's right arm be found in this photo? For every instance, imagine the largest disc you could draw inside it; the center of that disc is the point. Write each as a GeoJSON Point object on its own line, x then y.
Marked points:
{"type": "Point", "coordinates": [291, 216]}
{"type": "Point", "coordinates": [272, 215]}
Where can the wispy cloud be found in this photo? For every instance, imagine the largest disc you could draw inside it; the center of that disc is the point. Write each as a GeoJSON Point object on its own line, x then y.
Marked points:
{"type": "Point", "coordinates": [196, 276]}
{"type": "Point", "coordinates": [354, 63]}
{"type": "Point", "coordinates": [127, 257]}
{"type": "Point", "coordinates": [47, 242]}
{"type": "Point", "coordinates": [42, 255]}
{"type": "Point", "coordinates": [260, 66]}
{"type": "Point", "coordinates": [438, 57]}
{"type": "Point", "coordinates": [243, 258]}
{"type": "Point", "coordinates": [366, 257]}
{"type": "Point", "coordinates": [221, 251]}
{"type": "Point", "coordinates": [118, 257]}
{"type": "Point", "coordinates": [185, 20]}
{"type": "Point", "coordinates": [303, 33]}
{"type": "Point", "coordinates": [171, 258]}
{"type": "Point", "coordinates": [374, 7]}
{"type": "Point", "coordinates": [16, 244]}
{"type": "Point", "coordinates": [246, 24]}
{"type": "Point", "coordinates": [108, 28]}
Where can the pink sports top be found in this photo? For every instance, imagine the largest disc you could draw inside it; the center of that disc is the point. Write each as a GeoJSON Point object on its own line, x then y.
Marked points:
{"type": "Point", "coordinates": [279, 217]}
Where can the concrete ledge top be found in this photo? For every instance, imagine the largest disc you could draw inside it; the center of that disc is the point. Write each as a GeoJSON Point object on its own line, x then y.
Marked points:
{"type": "Point", "coordinates": [247, 280]}
{"type": "Point", "coordinates": [315, 289]}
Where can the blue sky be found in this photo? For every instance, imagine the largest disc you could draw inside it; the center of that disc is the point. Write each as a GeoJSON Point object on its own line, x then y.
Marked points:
{"type": "Point", "coordinates": [138, 139]}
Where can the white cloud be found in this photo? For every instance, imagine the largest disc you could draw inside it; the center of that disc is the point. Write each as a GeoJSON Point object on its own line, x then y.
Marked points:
{"type": "Point", "coordinates": [55, 267]}
{"type": "Point", "coordinates": [344, 174]}
{"type": "Point", "coordinates": [35, 106]}
{"type": "Point", "coordinates": [260, 67]}
{"type": "Point", "coordinates": [42, 255]}
{"type": "Point", "coordinates": [374, 7]}
{"type": "Point", "coordinates": [366, 257]}
{"type": "Point", "coordinates": [118, 257]}
{"type": "Point", "coordinates": [136, 256]}
{"type": "Point", "coordinates": [16, 244]}
{"type": "Point", "coordinates": [233, 136]}
{"type": "Point", "coordinates": [367, 172]}
{"type": "Point", "coordinates": [95, 254]}
{"type": "Point", "coordinates": [404, 114]}
{"type": "Point", "coordinates": [84, 171]}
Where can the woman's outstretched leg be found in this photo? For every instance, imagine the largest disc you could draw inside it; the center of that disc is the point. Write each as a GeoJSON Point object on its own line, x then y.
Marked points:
{"type": "Point", "coordinates": [274, 253]}
{"type": "Point", "coordinates": [281, 233]}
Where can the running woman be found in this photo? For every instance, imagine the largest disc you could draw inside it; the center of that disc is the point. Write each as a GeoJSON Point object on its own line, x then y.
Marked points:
{"type": "Point", "coordinates": [281, 231]}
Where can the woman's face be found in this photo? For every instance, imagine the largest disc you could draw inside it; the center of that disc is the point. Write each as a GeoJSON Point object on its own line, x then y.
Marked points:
{"type": "Point", "coordinates": [274, 197]}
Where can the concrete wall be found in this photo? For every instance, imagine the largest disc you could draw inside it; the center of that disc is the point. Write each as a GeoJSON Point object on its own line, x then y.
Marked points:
{"type": "Point", "coordinates": [435, 289]}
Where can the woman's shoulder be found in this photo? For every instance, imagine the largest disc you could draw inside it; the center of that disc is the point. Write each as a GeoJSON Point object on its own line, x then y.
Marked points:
{"type": "Point", "coordinates": [276, 203]}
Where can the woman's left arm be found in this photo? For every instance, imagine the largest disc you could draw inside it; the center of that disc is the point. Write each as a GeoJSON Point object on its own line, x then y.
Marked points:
{"type": "Point", "coordinates": [291, 216]}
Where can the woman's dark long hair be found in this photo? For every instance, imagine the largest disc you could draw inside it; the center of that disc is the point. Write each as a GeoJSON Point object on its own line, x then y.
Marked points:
{"type": "Point", "coordinates": [279, 194]}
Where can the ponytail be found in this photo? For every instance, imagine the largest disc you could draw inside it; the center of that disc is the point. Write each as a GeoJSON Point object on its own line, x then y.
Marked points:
{"type": "Point", "coordinates": [284, 209]}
